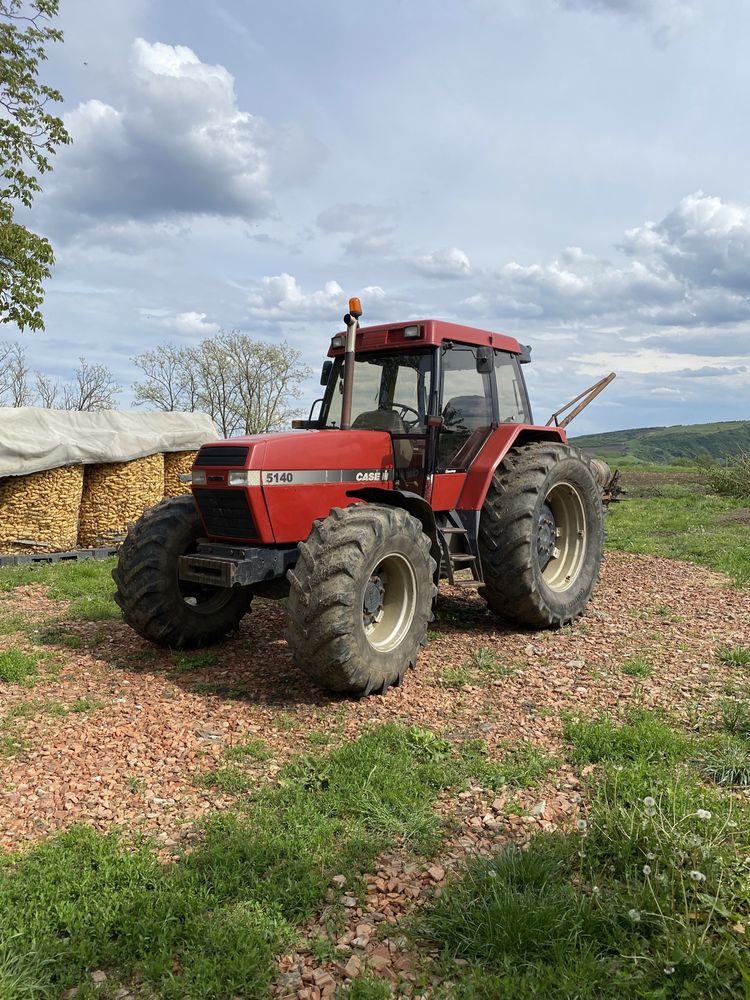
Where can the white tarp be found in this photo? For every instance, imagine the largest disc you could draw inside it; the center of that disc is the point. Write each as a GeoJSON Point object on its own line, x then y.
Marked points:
{"type": "Point", "coordinates": [33, 439]}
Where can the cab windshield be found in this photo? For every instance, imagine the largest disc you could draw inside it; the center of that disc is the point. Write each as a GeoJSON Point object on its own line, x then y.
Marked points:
{"type": "Point", "coordinates": [391, 392]}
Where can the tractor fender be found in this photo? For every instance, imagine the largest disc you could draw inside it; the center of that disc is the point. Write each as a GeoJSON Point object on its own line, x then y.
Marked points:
{"type": "Point", "coordinates": [416, 505]}
{"type": "Point", "coordinates": [495, 448]}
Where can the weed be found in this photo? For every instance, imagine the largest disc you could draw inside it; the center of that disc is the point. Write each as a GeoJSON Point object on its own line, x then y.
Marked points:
{"type": "Point", "coordinates": [195, 661]}
{"type": "Point", "coordinates": [10, 745]}
{"type": "Point", "coordinates": [56, 635]}
{"type": "Point", "coordinates": [455, 677]}
{"type": "Point", "coordinates": [734, 717]}
{"type": "Point", "coordinates": [17, 667]}
{"type": "Point", "coordinates": [226, 779]}
{"type": "Point", "coordinates": [637, 666]}
{"type": "Point", "coordinates": [32, 709]}
{"type": "Point", "coordinates": [136, 784]}
{"type": "Point", "coordinates": [736, 656]}
{"type": "Point", "coordinates": [726, 761]}
{"type": "Point", "coordinates": [368, 987]}
{"type": "Point", "coordinates": [82, 705]}
{"type": "Point", "coordinates": [255, 749]}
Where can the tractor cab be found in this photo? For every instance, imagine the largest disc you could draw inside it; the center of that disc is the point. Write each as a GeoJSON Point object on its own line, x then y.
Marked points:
{"type": "Point", "coordinates": [438, 389]}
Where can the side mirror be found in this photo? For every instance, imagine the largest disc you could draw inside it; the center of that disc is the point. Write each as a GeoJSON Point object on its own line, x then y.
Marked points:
{"type": "Point", "coordinates": [325, 373]}
{"type": "Point", "coordinates": [485, 360]}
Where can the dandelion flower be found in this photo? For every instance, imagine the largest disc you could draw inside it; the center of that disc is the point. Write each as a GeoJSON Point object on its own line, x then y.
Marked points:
{"type": "Point", "coordinates": [650, 856]}
{"type": "Point", "coordinates": [634, 915]}
{"type": "Point", "coordinates": [581, 824]}
{"type": "Point", "coordinates": [669, 970]}
{"type": "Point", "coordinates": [649, 802]}
{"type": "Point", "coordinates": [703, 814]}
{"type": "Point", "coordinates": [647, 870]}
{"type": "Point", "coordinates": [697, 876]}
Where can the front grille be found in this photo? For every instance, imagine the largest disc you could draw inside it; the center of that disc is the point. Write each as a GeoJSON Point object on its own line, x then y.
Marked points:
{"type": "Point", "coordinates": [225, 513]}
{"type": "Point", "coordinates": [222, 454]}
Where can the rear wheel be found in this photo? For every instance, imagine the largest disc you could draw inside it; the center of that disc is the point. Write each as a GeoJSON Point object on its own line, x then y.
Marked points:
{"type": "Point", "coordinates": [541, 536]}
{"type": "Point", "coordinates": [360, 598]}
{"type": "Point", "coordinates": [154, 601]}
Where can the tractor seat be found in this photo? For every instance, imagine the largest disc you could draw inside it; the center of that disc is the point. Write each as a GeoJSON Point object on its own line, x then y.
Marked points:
{"type": "Point", "coordinates": [387, 420]}
{"type": "Point", "coordinates": [467, 413]}
{"type": "Point", "coordinates": [379, 420]}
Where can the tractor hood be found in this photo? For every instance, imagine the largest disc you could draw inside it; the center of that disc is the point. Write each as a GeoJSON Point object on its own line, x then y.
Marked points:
{"type": "Point", "coordinates": [291, 479]}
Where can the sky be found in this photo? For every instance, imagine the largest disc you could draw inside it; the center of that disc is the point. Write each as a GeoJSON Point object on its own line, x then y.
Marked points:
{"type": "Point", "coordinates": [571, 172]}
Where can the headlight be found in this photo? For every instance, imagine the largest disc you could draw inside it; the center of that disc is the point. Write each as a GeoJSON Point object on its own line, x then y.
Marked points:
{"type": "Point", "coordinates": [198, 477]}
{"type": "Point", "coordinates": [248, 477]}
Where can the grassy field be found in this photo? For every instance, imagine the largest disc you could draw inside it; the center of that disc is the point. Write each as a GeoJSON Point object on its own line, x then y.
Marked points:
{"type": "Point", "coordinates": [663, 514]}
{"type": "Point", "coordinates": [645, 893]}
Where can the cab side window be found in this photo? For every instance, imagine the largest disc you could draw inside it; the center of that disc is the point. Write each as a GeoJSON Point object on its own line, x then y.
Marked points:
{"type": "Point", "coordinates": [511, 397]}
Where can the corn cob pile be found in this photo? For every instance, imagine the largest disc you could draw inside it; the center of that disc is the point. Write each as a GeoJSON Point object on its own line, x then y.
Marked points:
{"type": "Point", "coordinates": [115, 495]}
{"type": "Point", "coordinates": [177, 463]}
{"type": "Point", "coordinates": [40, 511]}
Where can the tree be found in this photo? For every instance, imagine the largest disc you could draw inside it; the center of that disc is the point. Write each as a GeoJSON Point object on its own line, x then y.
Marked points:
{"type": "Point", "coordinates": [93, 388]}
{"type": "Point", "coordinates": [29, 137]}
{"type": "Point", "coordinates": [244, 385]}
{"type": "Point", "coordinates": [14, 376]}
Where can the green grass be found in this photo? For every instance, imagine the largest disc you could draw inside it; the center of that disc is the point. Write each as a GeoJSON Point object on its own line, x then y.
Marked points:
{"type": "Point", "coordinates": [644, 736]}
{"type": "Point", "coordinates": [736, 656]}
{"type": "Point", "coordinates": [10, 746]}
{"type": "Point", "coordinates": [521, 765]}
{"type": "Point", "coordinates": [227, 779]}
{"type": "Point", "coordinates": [209, 925]}
{"type": "Point", "coordinates": [637, 666]}
{"type": "Point", "coordinates": [17, 667]}
{"type": "Point", "coordinates": [195, 661]}
{"type": "Point", "coordinates": [639, 901]}
{"type": "Point", "coordinates": [86, 583]}
{"type": "Point", "coordinates": [683, 527]}
{"type": "Point", "coordinates": [253, 749]}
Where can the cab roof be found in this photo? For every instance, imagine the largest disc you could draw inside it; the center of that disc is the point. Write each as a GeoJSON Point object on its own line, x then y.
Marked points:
{"type": "Point", "coordinates": [432, 333]}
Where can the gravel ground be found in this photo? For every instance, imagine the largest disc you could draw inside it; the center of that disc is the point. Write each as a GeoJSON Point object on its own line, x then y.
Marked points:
{"type": "Point", "coordinates": [151, 725]}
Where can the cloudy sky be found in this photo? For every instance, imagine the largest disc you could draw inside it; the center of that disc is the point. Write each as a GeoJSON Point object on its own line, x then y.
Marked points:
{"type": "Point", "coordinates": [573, 172]}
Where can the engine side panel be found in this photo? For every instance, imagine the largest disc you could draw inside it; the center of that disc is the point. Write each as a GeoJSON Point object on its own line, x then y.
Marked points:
{"type": "Point", "coordinates": [304, 475]}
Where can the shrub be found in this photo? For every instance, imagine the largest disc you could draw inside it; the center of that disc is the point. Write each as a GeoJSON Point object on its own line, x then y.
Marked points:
{"type": "Point", "coordinates": [733, 478]}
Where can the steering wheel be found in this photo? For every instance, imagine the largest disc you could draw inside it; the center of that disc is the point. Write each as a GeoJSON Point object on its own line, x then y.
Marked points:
{"type": "Point", "coordinates": [410, 424]}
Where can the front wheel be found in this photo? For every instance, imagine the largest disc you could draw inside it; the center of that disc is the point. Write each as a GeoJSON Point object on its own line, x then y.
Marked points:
{"type": "Point", "coordinates": [360, 598]}
{"type": "Point", "coordinates": [541, 536]}
{"type": "Point", "coordinates": [154, 601]}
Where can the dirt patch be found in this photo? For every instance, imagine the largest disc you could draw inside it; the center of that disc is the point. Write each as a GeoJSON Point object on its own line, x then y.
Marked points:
{"type": "Point", "coordinates": [739, 516]}
{"type": "Point", "coordinates": [160, 723]}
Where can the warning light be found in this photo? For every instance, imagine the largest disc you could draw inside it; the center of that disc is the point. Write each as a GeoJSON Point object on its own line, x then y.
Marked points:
{"type": "Point", "coordinates": [355, 308]}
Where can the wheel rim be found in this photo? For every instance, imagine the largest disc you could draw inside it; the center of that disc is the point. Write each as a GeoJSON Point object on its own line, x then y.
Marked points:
{"type": "Point", "coordinates": [561, 537]}
{"type": "Point", "coordinates": [389, 602]}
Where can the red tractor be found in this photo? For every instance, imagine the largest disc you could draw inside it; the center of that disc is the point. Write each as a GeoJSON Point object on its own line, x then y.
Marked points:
{"type": "Point", "coordinates": [423, 461]}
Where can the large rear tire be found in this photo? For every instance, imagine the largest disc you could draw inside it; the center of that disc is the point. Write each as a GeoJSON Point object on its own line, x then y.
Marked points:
{"type": "Point", "coordinates": [541, 536]}
{"type": "Point", "coordinates": [154, 601]}
{"type": "Point", "coordinates": [361, 598]}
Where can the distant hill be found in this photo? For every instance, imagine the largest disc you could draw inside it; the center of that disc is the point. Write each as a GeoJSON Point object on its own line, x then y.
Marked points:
{"type": "Point", "coordinates": [665, 444]}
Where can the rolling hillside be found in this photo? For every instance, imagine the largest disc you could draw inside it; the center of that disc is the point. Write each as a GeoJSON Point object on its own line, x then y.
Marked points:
{"type": "Point", "coordinates": [665, 444]}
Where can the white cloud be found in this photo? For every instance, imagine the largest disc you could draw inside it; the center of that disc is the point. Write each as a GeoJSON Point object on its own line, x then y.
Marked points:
{"type": "Point", "coordinates": [178, 145]}
{"type": "Point", "coordinates": [449, 263]}
{"type": "Point", "coordinates": [190, 323]}
{"type": "Point", "coordinates": [281, 297]}
{"type": "Point", "coordinates": [691, 269]}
